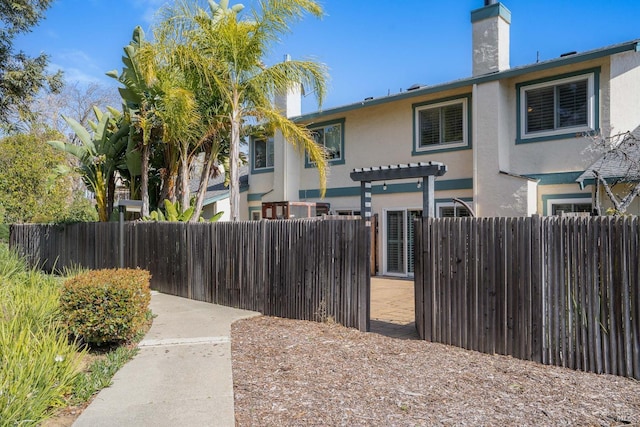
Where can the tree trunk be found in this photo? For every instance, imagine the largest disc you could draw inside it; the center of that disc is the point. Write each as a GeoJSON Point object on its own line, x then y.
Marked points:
{"type": "Point", "coordinates": [204, 183]}
{"type": "Point", "coordinates": [234, 159]}
{"type": "Point", "coordinates": [144, 179]}
{"type": "Point", "coordinates": [170, 176]}
{"type": "Point", "coordinates": [100, 193]}
{"type": "Point", "coordinates": [185, 193]}
{"type": "Point", "coordinates": [111, 191]}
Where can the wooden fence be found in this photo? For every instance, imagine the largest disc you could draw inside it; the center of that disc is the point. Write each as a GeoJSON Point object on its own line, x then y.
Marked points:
{"type": "Point", "coordinates": [300, 269]}
{"type": "Point", "coordinates": [557, 290]}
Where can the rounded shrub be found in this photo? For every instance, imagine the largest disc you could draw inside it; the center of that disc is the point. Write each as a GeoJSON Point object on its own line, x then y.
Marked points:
{"type": "Point", "coordinates": [105, 306]}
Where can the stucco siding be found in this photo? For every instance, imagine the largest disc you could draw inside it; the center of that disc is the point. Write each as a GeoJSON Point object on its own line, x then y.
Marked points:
{"type": "Point", "coordinates": [625, 81]}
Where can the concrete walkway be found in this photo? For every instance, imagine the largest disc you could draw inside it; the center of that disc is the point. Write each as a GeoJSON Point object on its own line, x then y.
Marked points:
{"type": "Point", "coordinates": [182, 374]}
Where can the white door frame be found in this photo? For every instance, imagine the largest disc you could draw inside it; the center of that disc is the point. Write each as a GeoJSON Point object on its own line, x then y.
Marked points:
{"type": "Point", "coordinates": [405, 244]}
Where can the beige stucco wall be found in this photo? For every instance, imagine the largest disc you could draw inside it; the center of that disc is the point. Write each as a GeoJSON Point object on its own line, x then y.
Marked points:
{"type": "Point", "coordinates": [625, 80]}
{"type": "Point", "coordinates": [558, 155]}
{"type": "Point", "coordinates": [383, 135]}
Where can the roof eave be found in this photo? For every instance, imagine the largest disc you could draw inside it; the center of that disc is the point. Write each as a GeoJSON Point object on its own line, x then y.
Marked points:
{"type": "Point", "coordinates": [456, 84]}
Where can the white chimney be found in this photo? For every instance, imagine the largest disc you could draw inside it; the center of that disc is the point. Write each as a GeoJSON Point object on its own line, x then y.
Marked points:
{"type": "Point", "coordinates": [490, 38]}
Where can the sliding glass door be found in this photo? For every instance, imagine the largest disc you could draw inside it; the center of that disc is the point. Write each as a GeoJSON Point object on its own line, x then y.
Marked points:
{"type": "Point", "coordinates": [399, 241]}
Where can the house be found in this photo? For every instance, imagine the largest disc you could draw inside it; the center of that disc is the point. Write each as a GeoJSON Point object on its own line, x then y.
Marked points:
{"type": "Point", "coordinates": [216, 199]}
{"type": "Point", "coordinates": [512, 139]}
{"type": "Point", "coordinates": [618, 170]}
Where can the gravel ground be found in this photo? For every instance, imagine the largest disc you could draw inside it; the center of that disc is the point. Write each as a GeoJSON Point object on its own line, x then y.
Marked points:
{"type": "Point", "coordinates": [298, 373]}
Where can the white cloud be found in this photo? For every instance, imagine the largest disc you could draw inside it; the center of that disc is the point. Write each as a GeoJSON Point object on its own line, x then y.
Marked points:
{"type": "Point", "coordinates": [78, 57]}
{"type": "Point", "coordinates": [74, 74]}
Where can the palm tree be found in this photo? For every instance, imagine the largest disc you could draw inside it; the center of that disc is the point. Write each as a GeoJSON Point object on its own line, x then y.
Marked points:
{"type": "Point", "coordinates": [226, 52]}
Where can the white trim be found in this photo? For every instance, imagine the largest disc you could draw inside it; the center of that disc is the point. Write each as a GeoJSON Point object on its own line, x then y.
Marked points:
{"type": "Point", "coordinates": [551, 202]}
{"type": "Point", "coordinates": [591, 114]}
{"type": "Point", "coordinates": [440, 146]}
{"type": "Point", "coordinates": [447, 205]}
{"type": "Point", "coordinates": [405, 245]}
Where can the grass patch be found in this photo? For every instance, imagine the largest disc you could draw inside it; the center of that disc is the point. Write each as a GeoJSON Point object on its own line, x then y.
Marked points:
{"type": "Point", "coordinates": [100, 372]}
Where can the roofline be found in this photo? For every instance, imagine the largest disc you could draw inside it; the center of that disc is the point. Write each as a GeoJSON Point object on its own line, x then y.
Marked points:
{"type": "Point", "coordinates": [456, 84]}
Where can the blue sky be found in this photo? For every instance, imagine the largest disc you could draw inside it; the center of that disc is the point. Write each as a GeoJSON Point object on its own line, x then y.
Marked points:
{"type": "Point", "coordinates": [372, 47]}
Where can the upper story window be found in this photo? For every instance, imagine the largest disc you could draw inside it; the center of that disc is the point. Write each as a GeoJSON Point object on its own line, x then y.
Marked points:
{"type": "Point", "coordinates": [441, 125]}
{"type": "Point", "coordinates": [262, 155]}
{"type": "Point", "coordinates": [558, 108]}
{"type": "Point", "coordinates": [330, 135]}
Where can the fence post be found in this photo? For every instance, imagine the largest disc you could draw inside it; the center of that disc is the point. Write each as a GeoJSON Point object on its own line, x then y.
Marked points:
{"type": "Point", "coordinates": [538, 293]}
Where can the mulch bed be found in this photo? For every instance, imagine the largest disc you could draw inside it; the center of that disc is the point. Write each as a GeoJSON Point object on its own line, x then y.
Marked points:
{"type": "Point", "coordinates": [298, 373]}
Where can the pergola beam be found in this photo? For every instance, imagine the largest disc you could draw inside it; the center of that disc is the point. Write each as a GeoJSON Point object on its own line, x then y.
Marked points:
{"type": "Point", "coordinates": [405, 171]}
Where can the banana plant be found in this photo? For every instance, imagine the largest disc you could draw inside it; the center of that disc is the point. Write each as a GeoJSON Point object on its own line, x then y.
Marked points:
{"type": "Point", "coordinates": [173, 212]}
{"type": "Point", "coordinates": [101, 150]}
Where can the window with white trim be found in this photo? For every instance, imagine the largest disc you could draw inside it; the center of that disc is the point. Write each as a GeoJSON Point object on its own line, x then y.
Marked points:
{"type": "Point", "coordinates": [569, 206]}
{"type": "Point", "coordinates": [451, 210]}
{"type": "Point", "coordinates": [263, 154]}
{"type": "Point", "coordinates": [441, 125]}
{"type": "Point", "coordinates": [557, 107]}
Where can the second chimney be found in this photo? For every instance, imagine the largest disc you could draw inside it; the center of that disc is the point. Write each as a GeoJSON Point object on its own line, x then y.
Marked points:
{"type": "Point", "coordinates": [490, 38]}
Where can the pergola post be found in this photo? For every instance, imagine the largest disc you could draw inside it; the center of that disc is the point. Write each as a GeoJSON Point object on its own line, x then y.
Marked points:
{"type": "Point", "coordinates": [365, 202]}
{"type": "Point", "coordinates": [428, 197]}
{"type": "Point", "coordinates": [427, 172]}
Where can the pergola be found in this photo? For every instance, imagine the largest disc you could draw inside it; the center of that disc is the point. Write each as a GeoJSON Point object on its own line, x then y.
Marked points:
{"type": "Point", "coordinates": [427, 171]}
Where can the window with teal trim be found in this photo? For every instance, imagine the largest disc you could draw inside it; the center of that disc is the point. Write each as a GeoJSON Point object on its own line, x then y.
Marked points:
{"type": "Point", "coordinates": [557, 108]}
{"type": "Point", "coordinates": [441, 125]}
{"type": "Point", "coordinates": [262, 158]}
{"type": "Point", "coordinates": [329, 135]}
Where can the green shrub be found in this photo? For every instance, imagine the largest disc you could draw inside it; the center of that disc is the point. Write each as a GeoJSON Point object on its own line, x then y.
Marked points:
{"type": "Point", "coordinates": [106, 306]}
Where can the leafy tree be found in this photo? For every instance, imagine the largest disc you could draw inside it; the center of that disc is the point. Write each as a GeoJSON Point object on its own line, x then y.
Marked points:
{"type": "Point", "coordinates": [30, 188]}
{"type": "Point", "coordinates": [75, 100]}
{"type": "Point", "coordinates": [226, 53]}
{"type": "Point", "coordinates": [139, 99]}
{"type": "Point", "coordinates": [617, 171]}
{"type": "Point", "coordinates": [21, 77]}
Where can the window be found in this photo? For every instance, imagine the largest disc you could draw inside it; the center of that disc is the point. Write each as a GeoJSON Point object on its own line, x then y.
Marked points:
{"type": "Point", "coordinates": [567, 204]}
{"type": "Point", "coordinates": [567, 208]}
{"type": "Point", "coordinates": [262, 155]}
{"type": "Point", "coordinates": [558, 108]}
{"type": "Point", "coordinates": [452, 210]}
{"type": "Point", "coordinates": [441, 125]}
{"type": "Point", "coordinates": [330, 135]}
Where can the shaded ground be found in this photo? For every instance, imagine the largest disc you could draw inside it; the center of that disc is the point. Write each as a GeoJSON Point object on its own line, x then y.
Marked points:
{"type": "Point", "coordinates": [289, 372]}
